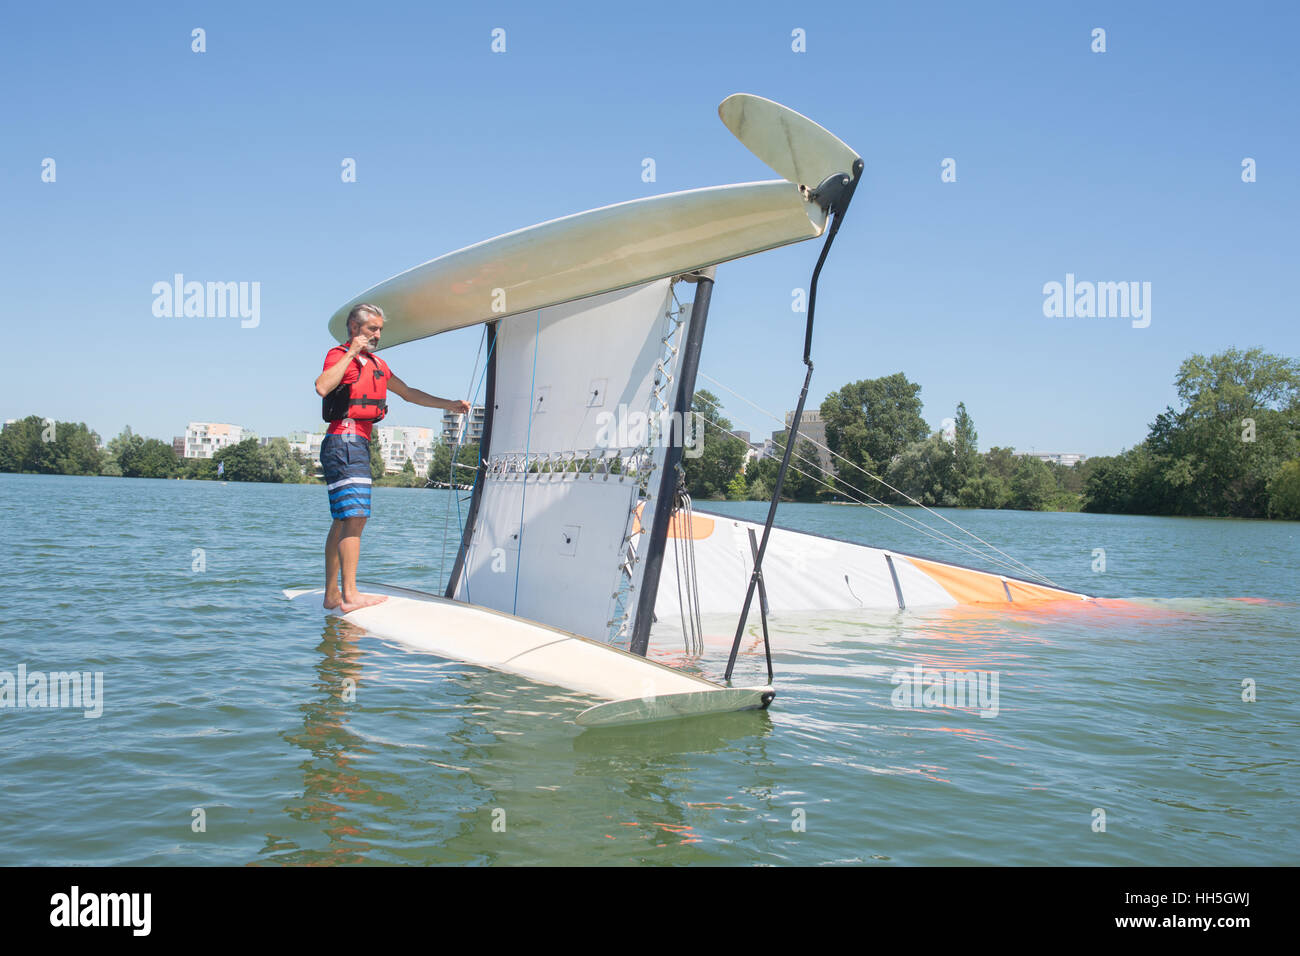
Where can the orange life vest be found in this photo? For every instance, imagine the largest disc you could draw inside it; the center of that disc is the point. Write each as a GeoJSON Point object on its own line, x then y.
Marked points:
{"type": "Point", "coordinates": [365, 400]}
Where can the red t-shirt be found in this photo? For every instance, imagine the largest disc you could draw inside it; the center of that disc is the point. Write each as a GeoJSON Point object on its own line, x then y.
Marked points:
{"type": "Point", "coordinates": [348, 426]}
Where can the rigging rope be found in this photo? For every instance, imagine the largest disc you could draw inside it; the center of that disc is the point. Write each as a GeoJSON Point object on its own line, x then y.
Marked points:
{"type": "Point", "coordinates": [451, 467]}
{"type": "Point", "coordinates": [455, 450]}
{"type": "Point", "coordinates": [688, 584]}
{"type": "Point", "coordinates": [891, 512]}
{"type": "Point", "coordinates": [1010, 562]}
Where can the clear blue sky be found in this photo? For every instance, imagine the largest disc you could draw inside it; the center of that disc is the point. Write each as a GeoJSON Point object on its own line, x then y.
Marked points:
{"type": "Point", "coordinates": [225, 166]}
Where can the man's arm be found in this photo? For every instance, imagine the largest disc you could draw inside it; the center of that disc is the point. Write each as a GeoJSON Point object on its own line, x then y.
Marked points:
{"type": "Point", "coordinates": [417, 397]}
{"type": "Point", "coordinates": [329, 379]}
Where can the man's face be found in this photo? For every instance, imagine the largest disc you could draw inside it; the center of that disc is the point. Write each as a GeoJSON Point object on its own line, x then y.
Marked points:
{"type": "Point", "coordinates": [371, 327]}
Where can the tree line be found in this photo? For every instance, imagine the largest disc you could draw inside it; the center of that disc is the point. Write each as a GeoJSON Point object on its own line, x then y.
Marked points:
{"type": "Point", "coordinates": [35, 445]}
{"type": "Point", "coordinates": [1232, 448]}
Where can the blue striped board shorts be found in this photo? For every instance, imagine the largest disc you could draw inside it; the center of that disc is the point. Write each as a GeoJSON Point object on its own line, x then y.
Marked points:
{"type": "Point", "coordinates": [345, 460]}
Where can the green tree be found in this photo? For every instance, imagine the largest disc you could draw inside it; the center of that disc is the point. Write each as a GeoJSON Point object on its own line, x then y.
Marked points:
{"type": "Point", "coordinates": [760, 476]}
{"type": "Point", "coordinates": [967, 464]}
{"type": "Point", "coordinates": [404, 478]}
{"type": "Point", "coordinates": [440, 463]}
{"type": "Point", "coordinates": [925, 472]}
{"type": "Point", "coordinates": [77, 449]}
{"type": "Point", "coordinates": [736, 488]}
{"type": "Point", "coordinates": [809, 483]}
{"type": "Point", "coordinates": [1033, 487]}
{"type": "Point", "coordinates": [43, 448]}
{"type": "Point", "coordinates": [154, 459]}
{"type": "Point", "coordinates": [1119, 484]}
{"type": "Point", "coordinates": [1284, 492]}
{"type": "Point", "coordinates": [133, 456]}
{"type": "Point", "coordinates": [761, 471]}
{"type": "Point", "coordinates": [1071, 478]}
{"type": "Point", "coordinates": [376, 460]}
{"type": "Point", "coordinates": [197, 468]}
{"type": "Point", "coordinates": [13, 444]}
{"type": "Point", "coordinates": [279, 461]}
{"type": "Point", "coordinates": [985, 491]}
{"type": "Point", "coordinates": [306, 467]}
{"type": "Point", "coordinates": [1218, 454]}
{"type": "Point", "coordinates": [35, 444]}
{"type": "Point", "coordinates": [1238, 425]}
{"type": "Point", "coordinates": [871, 421]}
{"type": "Point", "coordinates": [721, 453]}
{"type": "Point", "coordinates": [124, 451]}
{"type": "Point", "coordinates": [244, 462]}
{"type": "Point", "coordinates": [1001, 463]}
{"type": "Point", "coordinates": [440, 469]}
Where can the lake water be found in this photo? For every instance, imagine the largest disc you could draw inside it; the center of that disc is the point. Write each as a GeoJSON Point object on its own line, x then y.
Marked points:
{"type": "Point", "coordinates": [222, 703]}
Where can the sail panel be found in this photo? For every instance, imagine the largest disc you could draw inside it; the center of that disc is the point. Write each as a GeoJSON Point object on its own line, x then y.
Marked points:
{"type": "Point", "coordinates": [576, 450]}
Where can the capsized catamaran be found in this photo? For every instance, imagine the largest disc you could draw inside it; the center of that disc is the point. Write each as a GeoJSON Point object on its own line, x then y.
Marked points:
{"type": "Point", "coordinates": [578, 532]}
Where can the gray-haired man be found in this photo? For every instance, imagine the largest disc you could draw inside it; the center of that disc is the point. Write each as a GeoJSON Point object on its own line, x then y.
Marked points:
{"type": "Point", "coordinates": [354, 391]}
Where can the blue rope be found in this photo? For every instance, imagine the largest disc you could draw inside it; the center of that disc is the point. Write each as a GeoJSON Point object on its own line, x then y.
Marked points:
{"type": "Point", "coordinates": [532, 391]}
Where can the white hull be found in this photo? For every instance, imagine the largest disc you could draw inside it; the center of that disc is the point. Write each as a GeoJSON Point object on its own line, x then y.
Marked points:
{"type": "Point", "coordinates": [502, 642]}
{"type": "Point", "coordinates": [805, 572]}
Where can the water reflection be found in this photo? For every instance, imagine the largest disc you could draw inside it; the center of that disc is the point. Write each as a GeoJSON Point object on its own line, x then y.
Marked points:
{"type": "Point", "coordinates": [415, 759]}
{"type": "Point", "coordinates": [330, 782]}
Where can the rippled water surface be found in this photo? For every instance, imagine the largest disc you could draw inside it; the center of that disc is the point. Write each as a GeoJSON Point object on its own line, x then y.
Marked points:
{"type": "Point", "coordinates": [223, 703]}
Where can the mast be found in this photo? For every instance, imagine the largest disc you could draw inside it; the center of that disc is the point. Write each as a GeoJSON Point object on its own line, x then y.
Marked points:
{"type": "Point", "coordinates": [834, 195]}
{"type": "Point", "coordinates": [672, 461]}
{"type": "Point", "coordinates": [484, 446]}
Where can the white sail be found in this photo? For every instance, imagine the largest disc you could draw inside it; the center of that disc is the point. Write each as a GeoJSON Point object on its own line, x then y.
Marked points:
{"type": "Point", "coordinates": [573, 452]}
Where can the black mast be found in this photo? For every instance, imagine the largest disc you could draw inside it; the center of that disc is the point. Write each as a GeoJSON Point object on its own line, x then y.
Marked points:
{"type": "Point", "coordinates": [833, 195]}
{"type": "Point", "coordinates": [654, 554]}
{"type": "Point", "coordinates": [484, 446]}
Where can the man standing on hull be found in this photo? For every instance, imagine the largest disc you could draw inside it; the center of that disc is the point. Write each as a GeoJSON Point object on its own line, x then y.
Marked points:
{"type": "Point", "coordinates": [354, 389]}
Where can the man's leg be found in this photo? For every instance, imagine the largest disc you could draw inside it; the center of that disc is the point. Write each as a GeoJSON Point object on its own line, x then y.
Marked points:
{"type": "Point", "coordinates": [333, 597]}
{"type": "Point", "coordinates": [346, 465]}
{"type": "Point", "coordinates": [349, 554]}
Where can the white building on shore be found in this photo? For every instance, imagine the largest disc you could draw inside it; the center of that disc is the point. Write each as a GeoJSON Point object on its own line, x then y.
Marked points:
{"type": "Point", "coordinates": [1067, 458]}
{"type": "Point", "coordinates": [205, 439]}
{"type": "Point", "coordinates": [811, 428]}
{"type": "Point", "coordinates": [307, 444]}
{"type": "Point", "coordinates": [451, 426]}
{"type": "Point", "coordinates": [400, 445]}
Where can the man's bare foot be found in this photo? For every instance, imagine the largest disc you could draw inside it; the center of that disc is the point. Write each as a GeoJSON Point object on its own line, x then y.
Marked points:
{"type": "Point", "coordinates": [332, 600]}
{"type": "Point", "coordinates": [362, 600]}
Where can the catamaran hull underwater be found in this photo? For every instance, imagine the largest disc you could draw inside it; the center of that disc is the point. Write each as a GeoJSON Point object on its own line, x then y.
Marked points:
{"type": "Point", "coordinates": [809, 572]}
{"type": "Point", "coordinates": [638, 689]}
{"type": "Point", "coordinates": [571, 540]}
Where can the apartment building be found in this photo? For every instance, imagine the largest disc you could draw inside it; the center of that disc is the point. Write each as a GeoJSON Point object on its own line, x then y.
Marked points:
{"type": "Point", "coordinates": [205, 439]}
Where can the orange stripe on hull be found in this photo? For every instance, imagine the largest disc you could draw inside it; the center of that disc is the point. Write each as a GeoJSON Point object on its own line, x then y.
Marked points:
{"type": "Point", "coordinates": [701, 527]}
{"type": "Point", "coordinates": [1024, 593]}
{"type": "Point", "coordinates": [979, 587]}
